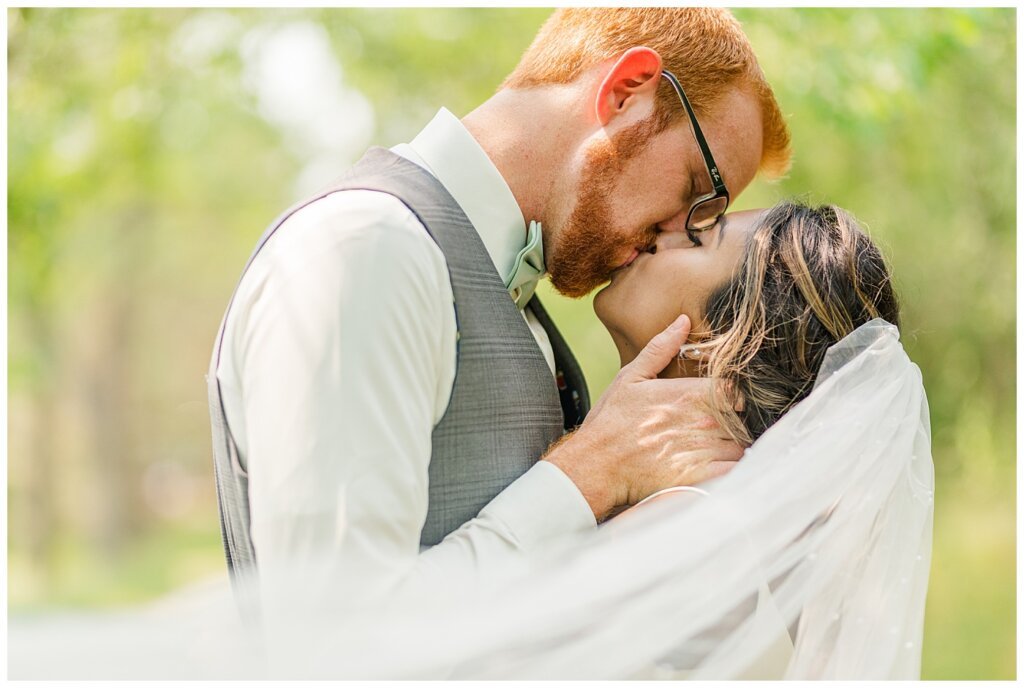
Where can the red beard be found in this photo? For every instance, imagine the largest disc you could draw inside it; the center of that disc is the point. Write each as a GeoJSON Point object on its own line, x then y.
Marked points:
{"type": "Point", "coordinates": [588, 249]}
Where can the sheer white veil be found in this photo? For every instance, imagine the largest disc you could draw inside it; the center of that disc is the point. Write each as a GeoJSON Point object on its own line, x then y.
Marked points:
{"type": "Point", "coordinates": [819, 539]}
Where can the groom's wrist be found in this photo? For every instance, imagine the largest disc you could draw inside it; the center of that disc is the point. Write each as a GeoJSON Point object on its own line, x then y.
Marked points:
{"type": "Point", "coordinates": [581, 462]}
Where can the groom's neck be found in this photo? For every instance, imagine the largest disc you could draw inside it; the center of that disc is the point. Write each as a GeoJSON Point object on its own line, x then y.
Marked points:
{"type": "Point", "coordinates": [527, 135]}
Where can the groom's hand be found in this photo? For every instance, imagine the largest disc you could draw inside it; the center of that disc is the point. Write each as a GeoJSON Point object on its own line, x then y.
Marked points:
{"type": "Point", "coordinates": [646, 434]}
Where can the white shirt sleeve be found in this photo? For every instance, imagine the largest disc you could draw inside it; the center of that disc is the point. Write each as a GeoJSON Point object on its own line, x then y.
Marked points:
{"type": "Point", "coordinates": [339, 359]}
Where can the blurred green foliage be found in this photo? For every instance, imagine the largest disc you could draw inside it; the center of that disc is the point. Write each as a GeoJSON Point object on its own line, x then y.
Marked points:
{"type": "Point", "coordinates": [142, 166]}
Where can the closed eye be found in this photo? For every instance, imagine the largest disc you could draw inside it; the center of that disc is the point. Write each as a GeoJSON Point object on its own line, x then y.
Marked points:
{"type": "Point", "coordinates": [694, 236]}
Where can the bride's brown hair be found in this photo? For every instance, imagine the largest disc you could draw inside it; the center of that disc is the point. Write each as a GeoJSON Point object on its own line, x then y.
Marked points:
{"type": "Point", "coordinates": [809, 277]}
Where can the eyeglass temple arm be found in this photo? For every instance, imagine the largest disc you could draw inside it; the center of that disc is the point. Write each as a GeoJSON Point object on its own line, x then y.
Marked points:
{"type": "Point", "coordinates": [716, 176]}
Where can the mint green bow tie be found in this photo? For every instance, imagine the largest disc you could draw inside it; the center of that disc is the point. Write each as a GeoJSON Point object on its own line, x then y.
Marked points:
{"type": "Point", "coordinates": [528, 268]}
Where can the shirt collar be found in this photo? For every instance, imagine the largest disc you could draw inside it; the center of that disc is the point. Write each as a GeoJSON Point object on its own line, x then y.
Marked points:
{"type": "Point", "coordinates": [447, 150]}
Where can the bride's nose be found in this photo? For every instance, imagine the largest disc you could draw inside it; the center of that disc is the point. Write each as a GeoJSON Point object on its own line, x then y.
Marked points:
{"type": "Point", "coordinates": [670, 240]}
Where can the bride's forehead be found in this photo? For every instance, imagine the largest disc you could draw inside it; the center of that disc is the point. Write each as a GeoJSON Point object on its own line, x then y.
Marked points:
{"type": "Point", "coordinates": [737, 226]}
{"type": "Point", "coordinates": [745, 218]}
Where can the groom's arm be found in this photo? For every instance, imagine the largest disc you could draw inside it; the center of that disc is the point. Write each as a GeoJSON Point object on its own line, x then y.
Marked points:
{"type": "Point", "coordinates": [342, 362]}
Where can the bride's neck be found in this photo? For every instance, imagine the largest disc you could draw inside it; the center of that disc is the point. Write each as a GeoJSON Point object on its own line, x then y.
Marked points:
{"type": "Point", "coordinates": [675, 369]}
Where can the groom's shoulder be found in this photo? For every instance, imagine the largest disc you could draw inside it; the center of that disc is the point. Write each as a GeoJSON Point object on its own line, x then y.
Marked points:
{"type": "Point", "coordinates": [357, 223]}
{"type": "Point", "coordinates": [371, 215]}
{"type": "Point", "coordinates": [354, 232]}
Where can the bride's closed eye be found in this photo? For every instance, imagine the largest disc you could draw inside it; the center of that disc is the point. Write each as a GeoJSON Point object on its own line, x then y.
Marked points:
{"type": "Point", "coordinates": [695, 237]}
{"type": "Point", "coordinates": [685, 239]}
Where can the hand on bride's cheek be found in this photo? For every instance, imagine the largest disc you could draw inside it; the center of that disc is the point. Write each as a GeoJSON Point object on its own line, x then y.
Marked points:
{"type": "Point", "coordinates": [645, 297]}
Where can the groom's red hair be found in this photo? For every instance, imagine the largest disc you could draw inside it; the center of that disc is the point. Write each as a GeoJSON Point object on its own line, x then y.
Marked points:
{"type": "Point", "coordinates": [704, 47]}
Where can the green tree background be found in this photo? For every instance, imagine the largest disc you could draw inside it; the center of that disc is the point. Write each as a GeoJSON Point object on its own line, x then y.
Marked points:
{"type": "Point", "coordinates": [146, 152]}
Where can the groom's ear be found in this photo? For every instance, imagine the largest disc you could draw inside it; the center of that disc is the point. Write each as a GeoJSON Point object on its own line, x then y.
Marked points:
{"type": "Point", "coordinates": [633, 78]}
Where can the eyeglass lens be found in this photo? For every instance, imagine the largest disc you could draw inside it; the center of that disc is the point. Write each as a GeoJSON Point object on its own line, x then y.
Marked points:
{"type": "Point", "coordinates": [706, 213]}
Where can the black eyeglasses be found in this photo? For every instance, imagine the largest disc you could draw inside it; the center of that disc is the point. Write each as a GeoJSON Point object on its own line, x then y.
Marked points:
{"type": "Point", "coordinates": [706, 210]}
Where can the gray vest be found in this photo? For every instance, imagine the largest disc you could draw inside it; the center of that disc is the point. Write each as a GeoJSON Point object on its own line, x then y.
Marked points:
{"type": "Point", "coordinates": [505, 409]}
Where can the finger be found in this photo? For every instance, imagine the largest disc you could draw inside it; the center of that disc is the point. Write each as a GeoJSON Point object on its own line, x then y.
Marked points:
{"type": "Point", "coordinates": [697, 394]}
{"type": "Point", "coordinates": [659, 352]}
{"type": "Point", "coordinates": [716, 469]}
{"type": "Point", "coordinates": [712, 392]}
{"type": "Point", "coordinates": [726, 450]}
{"type": "Point", "coordinates": [729, 391]}
{"type": "Point", "coordinates": [714, 450]}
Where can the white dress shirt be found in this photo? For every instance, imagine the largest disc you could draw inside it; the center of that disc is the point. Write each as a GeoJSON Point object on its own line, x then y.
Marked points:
{"type": "Point", "coordinates": [338, 361]}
